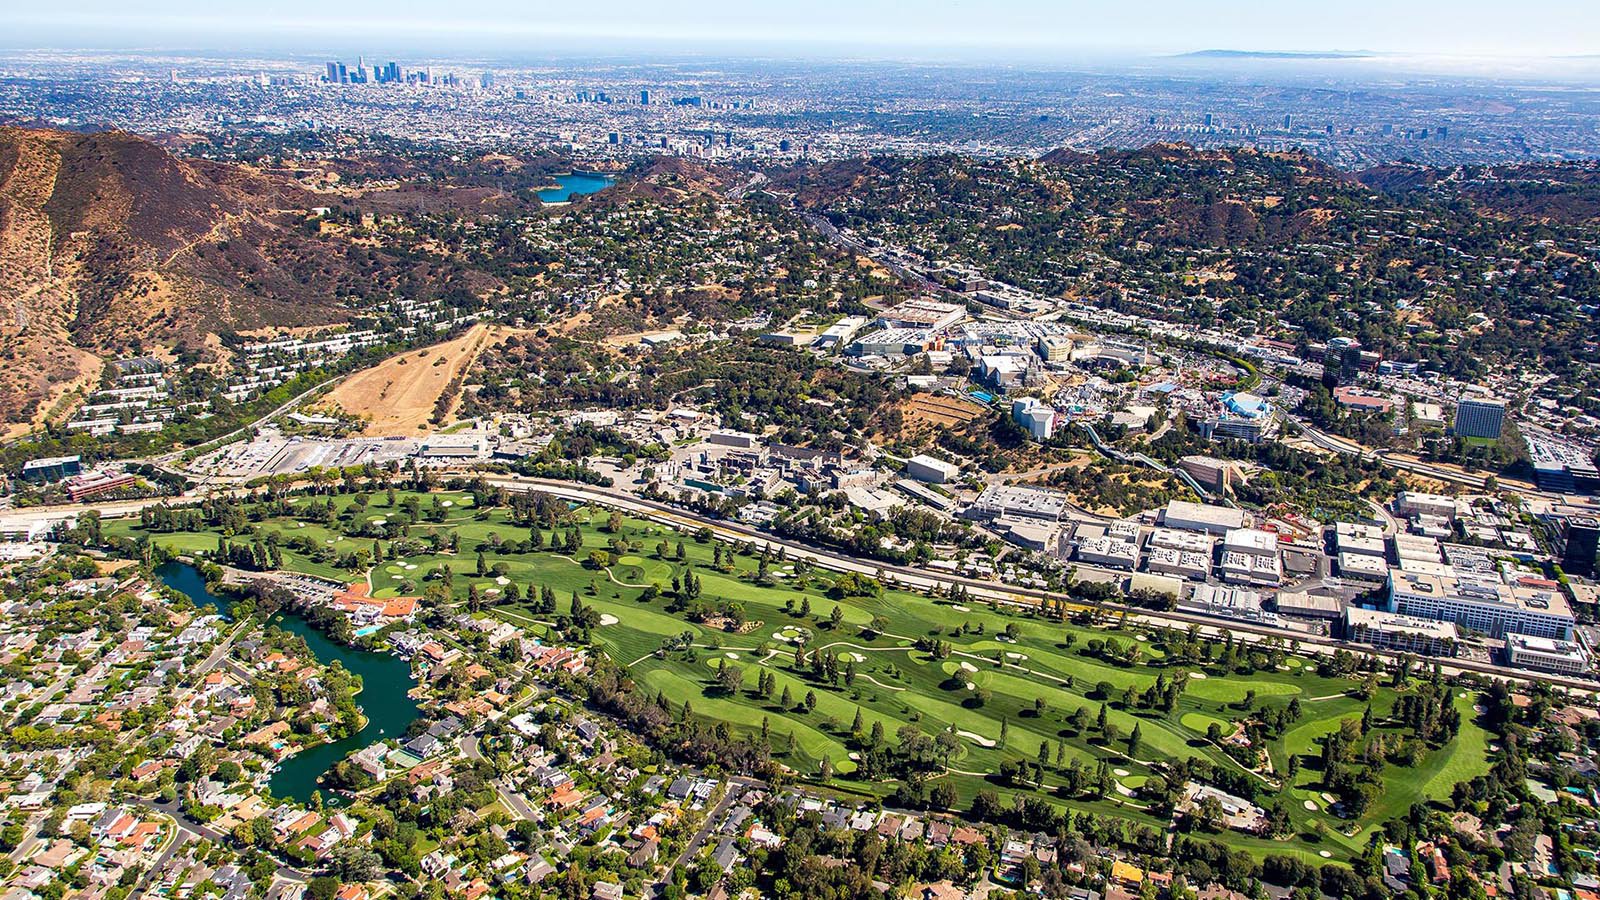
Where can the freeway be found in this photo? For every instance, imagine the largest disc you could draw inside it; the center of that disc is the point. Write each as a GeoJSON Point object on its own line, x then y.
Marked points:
{"type": "Point", "coordinates": [1412, 464]}
{"type": "Point", "coordinates": [923, 579]}
{"type": "Point", "coordinates": [827, 230]}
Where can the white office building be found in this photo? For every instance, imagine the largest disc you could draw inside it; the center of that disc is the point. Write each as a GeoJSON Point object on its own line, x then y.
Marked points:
{"type": "Point", "coordinates": [1417, 503]}
{"type": "Point", "coordinates": [1481, 604]}
{"type": "Point", "coordinates": [1033, 414]}
{"type": "Point", "coordinates": [1407, 634]}
{"type": "Point", "coordinates": [842, 331]}
{"type": "Point", "coordinates": [1546, 655]}
{"type": "Point", "coordinates": [743, 440]}
{"type": "Point", "coordinates": [929, 470]}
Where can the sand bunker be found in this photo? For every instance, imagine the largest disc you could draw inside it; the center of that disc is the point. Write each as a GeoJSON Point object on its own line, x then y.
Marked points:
{"type": "Point", "coordinates": [978, 739]}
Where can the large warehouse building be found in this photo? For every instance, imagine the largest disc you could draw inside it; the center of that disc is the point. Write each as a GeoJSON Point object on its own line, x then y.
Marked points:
{"type": "Point", "coordinates": [1201, 517]}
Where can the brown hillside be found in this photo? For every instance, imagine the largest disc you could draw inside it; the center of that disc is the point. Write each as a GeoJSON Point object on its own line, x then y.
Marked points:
{"type": "Point", "coordinates": [108, 243]}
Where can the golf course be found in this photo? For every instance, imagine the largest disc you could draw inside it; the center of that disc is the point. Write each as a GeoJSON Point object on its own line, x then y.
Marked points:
{"type": "Point", "coordinates": [1001, 682]}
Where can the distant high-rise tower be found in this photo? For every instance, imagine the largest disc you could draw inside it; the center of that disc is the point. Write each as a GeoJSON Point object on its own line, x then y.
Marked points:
{"type": "Point", "coordinates": [1480, 418]}
{"type": "Point", "coordinates": [1341, 361]}
{"type": "Point", "coordinates": [1288, 121]}
{"type": "Point", "coordinates": [1210, 120]}
{"type": "Point", "coordinates": [1582, 546]}
{"type": "Point", "coordinates": [644, 98]}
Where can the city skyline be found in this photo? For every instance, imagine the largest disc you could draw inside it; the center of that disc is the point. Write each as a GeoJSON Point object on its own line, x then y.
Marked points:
{"type": "Point", "coordinates": [1016, 29]}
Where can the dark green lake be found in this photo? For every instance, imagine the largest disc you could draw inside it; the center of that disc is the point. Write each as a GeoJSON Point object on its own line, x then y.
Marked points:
{"type": "Point", "coordinates": [385, 680]}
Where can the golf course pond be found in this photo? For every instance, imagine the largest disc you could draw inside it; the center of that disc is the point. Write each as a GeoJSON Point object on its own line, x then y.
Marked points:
{"type": "Point", "coordinates": [386, 681]}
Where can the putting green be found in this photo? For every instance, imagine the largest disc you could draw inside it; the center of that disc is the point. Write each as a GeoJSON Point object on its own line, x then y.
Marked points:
{"type": "Point", "coordinates": [1202, 723]}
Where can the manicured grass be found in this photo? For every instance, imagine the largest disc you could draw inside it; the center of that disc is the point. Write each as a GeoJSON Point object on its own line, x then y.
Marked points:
{"type": "Point", "coordinates": [896, 684]}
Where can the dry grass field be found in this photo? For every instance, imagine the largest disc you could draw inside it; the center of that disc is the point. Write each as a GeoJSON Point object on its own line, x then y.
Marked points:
{"type": "Point", "coordinates": [938, 411]}
{"type": "Point", "coordinates": [398, 395]}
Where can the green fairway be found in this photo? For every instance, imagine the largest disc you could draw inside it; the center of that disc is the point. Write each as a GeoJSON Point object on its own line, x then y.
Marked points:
{"type": "Point", "coordinates": [998, 697]}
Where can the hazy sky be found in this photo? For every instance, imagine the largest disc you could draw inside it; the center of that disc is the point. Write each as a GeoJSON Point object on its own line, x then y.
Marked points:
{"type": "Point", "coordinates": [1031, 27]}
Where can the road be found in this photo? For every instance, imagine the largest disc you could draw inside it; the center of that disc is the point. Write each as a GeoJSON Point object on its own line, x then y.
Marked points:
{"type": "Point", "coordinates": [508, 794]}
{"type": "Point", "coordinates": [179, 837]}
{"type": "Point", "coordinates": [1412, 464]}
{"type": "Point", "coordinates": [115, 509]}
{"type": "Point", "coordinates": [1390, 525]}
{"type": "Point", "coordinates": [30, 839]}
{"type": "Point", "coordinates": [221, 650]}
{"type": "Point", "coordinates": [826, 229]}
{"type": "Point", "coordinates": [736, 788]}
{"type": "Point", "coordinates": [192, 829]}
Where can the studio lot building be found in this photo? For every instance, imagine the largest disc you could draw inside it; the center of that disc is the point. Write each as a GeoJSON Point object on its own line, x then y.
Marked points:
{"type": "Point", "coordinates": [1250, 556]}
{"type": "Point", "coordinates": [1481, 605]}
{"type": "Point", "coordinates": [1546, 655]}
{"type": "Point", "coordinates": [1201, 517]}
{"type": "Point", "coordinates": [1406, 634]}
{"type": "Point", "coordinates": [927, 469]}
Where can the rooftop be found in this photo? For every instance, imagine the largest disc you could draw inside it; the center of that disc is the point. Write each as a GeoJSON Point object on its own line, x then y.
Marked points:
{"type": "Point", "coordinates": [1475, 589]}
{"type": "Point", "coordinates": [1387, 621]}
{"type": "Point", "coordinates": [1530, 644]}
{"type": "Point", "coordinates": [1221, 516]}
